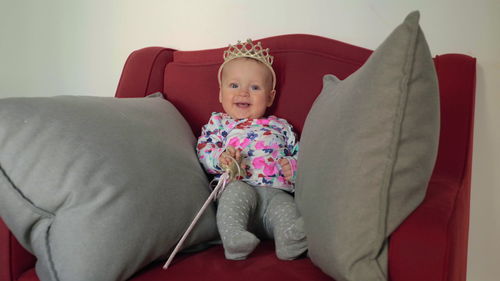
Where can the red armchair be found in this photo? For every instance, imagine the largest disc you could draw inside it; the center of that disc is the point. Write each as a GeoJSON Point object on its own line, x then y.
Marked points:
{"type": "Point", "coordinates": [431, 244]}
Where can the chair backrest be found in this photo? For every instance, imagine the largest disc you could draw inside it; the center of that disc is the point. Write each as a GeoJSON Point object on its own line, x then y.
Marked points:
{"type": "Point", "coordinates": [457, 86]}
{"type": "Point", "coordinates": [300, 61]}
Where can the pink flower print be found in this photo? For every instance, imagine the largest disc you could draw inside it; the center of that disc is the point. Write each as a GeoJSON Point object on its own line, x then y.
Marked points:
{"type": "Point", "coordinates": [245, 124]}
{"type": "Point", "coordinates": [268, 169]}
{"type": "Point", "coordinates": [258, 162]}
{"type": "Point", "coordinates": [262, 121]}
{"type": "Point", "coordinates": [282, 180]}
{"type": "Point", "coordinates": [275, 153]}
{"type": "Point", "coordinates": [260, 145]}
{"type": "Point", "coordinates": [245, 143]}
{"type": "Point", "coordinates": [273, 148]}
{"type": "Point", "coordinates": [236, 142]}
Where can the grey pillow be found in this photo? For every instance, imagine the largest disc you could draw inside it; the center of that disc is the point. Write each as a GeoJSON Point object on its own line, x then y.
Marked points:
{"type": "Point", "coordinates": [368, 149]}
{"type": "Point", "coordinates": [97, 187]}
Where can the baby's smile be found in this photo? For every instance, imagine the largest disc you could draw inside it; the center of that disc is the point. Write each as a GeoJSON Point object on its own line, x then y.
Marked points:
{"type": "Point", "coordinates": [242, 104]}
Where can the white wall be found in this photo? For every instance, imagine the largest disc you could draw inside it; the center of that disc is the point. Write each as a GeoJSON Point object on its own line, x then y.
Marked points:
{"type": "Point", "coordinates": [79, 47]}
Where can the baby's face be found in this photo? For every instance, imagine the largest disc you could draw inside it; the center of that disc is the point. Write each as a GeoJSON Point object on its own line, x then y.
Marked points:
{"type": "Point", "coordinates": [246, 88]}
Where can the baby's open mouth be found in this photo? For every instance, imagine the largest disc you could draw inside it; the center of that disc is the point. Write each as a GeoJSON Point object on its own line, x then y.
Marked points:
{"type": "Point", "coordinates": [242, 104]}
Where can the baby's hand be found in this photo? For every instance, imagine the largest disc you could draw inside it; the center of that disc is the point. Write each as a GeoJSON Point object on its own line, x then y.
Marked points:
{"type": "Point", "coordinates": [286, 168]}
{"type": "Point", "coordinates": [230, 152]}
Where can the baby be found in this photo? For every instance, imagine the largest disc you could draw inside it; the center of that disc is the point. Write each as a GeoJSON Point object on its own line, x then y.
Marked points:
{"type": "Point", "coordinates": [265, 147]}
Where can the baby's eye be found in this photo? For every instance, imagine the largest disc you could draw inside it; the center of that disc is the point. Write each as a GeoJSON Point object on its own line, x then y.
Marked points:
{"type": "Point", "coordinates": [255, 87]}
{"type": "Point", "coordinates": [233, 85]}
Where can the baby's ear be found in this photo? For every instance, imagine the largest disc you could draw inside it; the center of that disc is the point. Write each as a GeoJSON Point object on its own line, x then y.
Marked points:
{"type": "Point", "coordinates": [270, 98]}
{"type": "Point", "coordinates": [220, 95]}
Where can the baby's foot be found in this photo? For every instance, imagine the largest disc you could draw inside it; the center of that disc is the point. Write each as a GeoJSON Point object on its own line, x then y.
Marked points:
{"type": "Point", "coordinates": [291, 242]}
{"type": "Point", "coordinates": [238, 246]}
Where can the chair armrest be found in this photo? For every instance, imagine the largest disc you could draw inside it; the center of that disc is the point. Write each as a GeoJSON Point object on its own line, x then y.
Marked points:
{"type": "Point", "coordinates": [14, 259]}
{"type": "Point", "coordinates": [431, 244]}
{"type": "Point", "coordinates": [143, 72]}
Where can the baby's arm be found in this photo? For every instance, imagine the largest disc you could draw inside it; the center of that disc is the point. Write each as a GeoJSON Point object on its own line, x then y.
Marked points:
{"type": "Point", "coordinates": [289, 162]}
{"type": "Point", "coordinates": [210, 146]}
{"type": "Point", "coordinates": [289, 166]}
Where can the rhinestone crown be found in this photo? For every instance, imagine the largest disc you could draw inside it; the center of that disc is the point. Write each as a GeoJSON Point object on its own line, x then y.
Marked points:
{"type": "Point", "coordinates": [248, 50]}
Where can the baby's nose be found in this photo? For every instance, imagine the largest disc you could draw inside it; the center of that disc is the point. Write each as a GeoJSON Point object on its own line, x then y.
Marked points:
{"type": "Point", "coordinates": [244, 92]}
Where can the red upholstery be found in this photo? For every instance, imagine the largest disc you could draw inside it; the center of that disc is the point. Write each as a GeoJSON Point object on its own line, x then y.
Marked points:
{"type": "Point", "coordinates": [299, 61]}
{"type": "Point", "coordinates": [431, 244]}
{"type": "Point", "coordinates": [437, 232]}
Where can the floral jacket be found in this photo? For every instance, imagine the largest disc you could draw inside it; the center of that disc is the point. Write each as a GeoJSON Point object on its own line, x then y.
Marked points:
{"type": "Point", "coordinates": [262, 142]}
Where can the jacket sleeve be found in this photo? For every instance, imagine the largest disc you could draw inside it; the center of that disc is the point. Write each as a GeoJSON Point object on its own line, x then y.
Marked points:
{"type": "Point", "coordinates": [210, 145]}
{"type": "Point", "coordinates": [292, 150]}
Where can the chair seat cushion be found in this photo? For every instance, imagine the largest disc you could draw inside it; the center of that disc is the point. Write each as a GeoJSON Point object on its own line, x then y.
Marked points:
{"type": "Point", "coordinates": [211, 265]}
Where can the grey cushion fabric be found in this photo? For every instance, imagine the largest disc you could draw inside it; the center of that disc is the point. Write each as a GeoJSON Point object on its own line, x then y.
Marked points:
{"type": "Point", "coordinates": [99, 187]}
{"type": "Point", "coordinates": [368, 148]}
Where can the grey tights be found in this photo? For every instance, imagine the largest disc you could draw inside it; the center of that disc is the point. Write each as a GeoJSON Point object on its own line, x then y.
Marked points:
{"type": "Point", "coordinates": [268, 212]}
